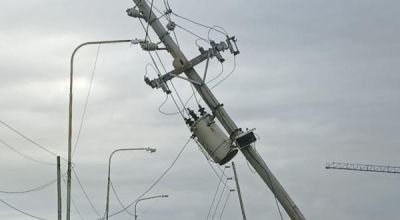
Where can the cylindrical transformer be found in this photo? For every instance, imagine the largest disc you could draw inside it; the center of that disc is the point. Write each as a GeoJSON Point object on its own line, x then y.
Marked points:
{"type": "Point", "coordinates": [214, 141]}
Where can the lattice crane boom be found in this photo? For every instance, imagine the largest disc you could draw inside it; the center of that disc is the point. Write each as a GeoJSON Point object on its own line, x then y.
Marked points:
{"type": "Point", "coordinates": [363, 167]}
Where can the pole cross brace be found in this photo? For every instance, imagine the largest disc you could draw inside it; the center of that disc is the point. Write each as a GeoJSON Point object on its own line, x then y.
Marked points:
{"type": "Point", "coordinates": [160, 82]}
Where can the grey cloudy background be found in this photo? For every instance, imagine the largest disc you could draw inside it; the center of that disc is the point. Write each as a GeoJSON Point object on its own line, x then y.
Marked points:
{"type": "Point", "coordinates": [318, 79]}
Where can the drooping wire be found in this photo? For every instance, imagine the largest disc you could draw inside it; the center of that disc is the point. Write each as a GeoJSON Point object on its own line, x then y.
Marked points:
{"type": "Point", "coordinates": [227, 76]}
{"type": "Point", "coordinates": [225, 203]}
{"type": "Point", "coordinates": [192, 33]}
{"type": "Point", "coordinates": [215, 196]}
{"type": "Point", "coordinates": [202, 25]}
{"type": "Point", "coordinates": [85, 193]}
{"type": "Point", "coordinates": [219, 201]}
{"type": "Point", "coordinates": [165, 70]}
{"type": "Point", "coordinates": [218, 75]}
{"type": "Point", "coordinates": [30, 190]}
{"type": "Point", "coordinates": [25, 156]}
{"type": "Point", "coordinates": [37, 188]}
{"type": "Point", "coordinates": [154, 183]}
{"type": "Point", "coordinates": [119, 200]}
{"type": "Point", "coordinates": [73, 202]}
{"type": "Point", "coordinates": [194, 94]}
{"type": "Point", "coordinates": [87, 101]}
{"type": "Point", "coordinates": [30, 140]}
{"type": "Point", "coordinates": [20, 211]}
{"type": "Point", "coordinates": [272, 185]}
{"type": "Point", "coordinates": [219, 176]}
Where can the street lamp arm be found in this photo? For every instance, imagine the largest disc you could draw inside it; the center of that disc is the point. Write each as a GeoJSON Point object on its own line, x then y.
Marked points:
{"type": "Point", "coordinates": [149, 149]}
{"type": "Point", "coordinates": [71, 77]}
{"type": "Point", "coordinates": [151, 197]}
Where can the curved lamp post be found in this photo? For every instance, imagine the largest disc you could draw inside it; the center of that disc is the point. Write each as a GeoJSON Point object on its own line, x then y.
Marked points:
{"type": "Point", "coordinates": [147, 198]}
{"type": "Point", "coordinates": [151, 150]}
{"type": "Point", "coordinates": [71, 77]}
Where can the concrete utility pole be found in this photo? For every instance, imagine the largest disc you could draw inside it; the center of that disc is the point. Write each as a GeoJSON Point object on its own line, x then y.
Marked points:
{"type": "Point", "coordinates": [238, 191]}
{"type": "Point", "coordinates": [59, 187]}
{"type": "Point", "coordinates": [248, 151]}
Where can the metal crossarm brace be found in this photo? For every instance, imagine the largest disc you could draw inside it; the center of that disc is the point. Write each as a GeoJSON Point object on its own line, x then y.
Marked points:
{"type": "Point", "coordinates": [192, 63]}
{"type": "Point", "coordinates": [249, 152]}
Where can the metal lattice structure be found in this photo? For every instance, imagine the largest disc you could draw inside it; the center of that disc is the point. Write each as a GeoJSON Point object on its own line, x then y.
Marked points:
{"type": "Point", "coordinates": [363, 167]}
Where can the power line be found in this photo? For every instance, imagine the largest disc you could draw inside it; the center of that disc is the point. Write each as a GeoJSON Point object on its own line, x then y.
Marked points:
{"type": "Point", "coordinates": [85, 193]}
{"type": "Point", "coordinates": [148, 20]}
{"type": "Point", "coordinates": [30, 190]}
{"type": "Point", "coordinates": [214, 197]}
{"type": "Point", "coordinates": [25, 156]}
{"type": "Point", "coordinates": [73, 202]}
{"type": "Point", "coordinates": [212, 167]}
{"type": "Point", "coordinates": [119, 200]}
{"type": "Point", "coordinates": [20, 211]}
{"type": "Point", "coordinates": [87, 100]}
{"type": "Point", "coordinates": [202, 25]}
{"type": "Point", "coordinates": [219, 201]}
{"type": "Point", "coordinates": [29, 139]}
{"type": "Point", "coordinates": [223, 208]}
{"type": "Point", "coordinates": [227, 76]}
{"type": "Point", "coordinates": [272, 189]}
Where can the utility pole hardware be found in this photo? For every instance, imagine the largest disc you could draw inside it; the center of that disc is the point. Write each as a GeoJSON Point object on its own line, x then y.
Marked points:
{"type": "Point", "coordinates": [238, 139]}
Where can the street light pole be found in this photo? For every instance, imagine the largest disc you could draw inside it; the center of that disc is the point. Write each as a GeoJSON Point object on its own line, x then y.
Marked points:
{"type": "Point", "coordinates": [147, 198]}
{"type": "Point", "coordinates": [151, 150]}
{"type": "Point", "coordinates": [71, 77]}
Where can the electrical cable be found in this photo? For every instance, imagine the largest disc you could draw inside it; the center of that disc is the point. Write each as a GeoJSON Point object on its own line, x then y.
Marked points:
{"type": "Point", "coordinates": [213, 28]}
{"type": "Point", "coordinates": [219, 201]}
{"type": "Point", "coordinates": [192, 33]}
{"type": "Point", "coordinates": [155, 183]}
{"type": "Point", "coordinates": [148, 20]}
{"type": "Point", "coordinates": [215, 195]}
{"type": "Point", "coordinates": [30, 190]}
{"type": "Point", "coordinates": [119, 200]}
{"type": "Point", "coordinates": [223, 208]}
{"type": "Point", "coordinates": [73, 201]}
{"type": "Point", "coordinates": [85, 193]}
{"type": "Point", "coordinates": [37, 188]}
{"type": "Point", "coordinates": [30, 140]}
{"type": "Point", "coordinates": [194, 94]}
{"type": "Point", "coordinates": [200, 24]}
{"type": "Point", "coordinates": [272, 185]}
{"type": "Point", "coordinates": [165, 70]}
{"type": "Point", "coordinates": [227, 76]}
{"type": "Point", "coordinates": [20, 211]}
{"type": "Point", "coordinates": [218, 75]}
{"type": "Point", "coordinates": [87, 100]}
{"type": "Point", "coordinates": [162, 104]}
{"type": "Point", "coordinates": [25, 156]}
{"type": "Point", "coordinates": [212, 167]}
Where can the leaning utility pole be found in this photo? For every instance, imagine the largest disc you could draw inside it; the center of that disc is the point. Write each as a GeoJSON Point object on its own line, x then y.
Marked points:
{"type": "Point", "coordinates": [238, 191]}
{"type": "Point", "coordinates": [243, 139]}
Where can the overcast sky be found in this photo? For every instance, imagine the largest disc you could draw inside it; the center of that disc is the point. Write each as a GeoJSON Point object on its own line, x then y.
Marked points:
{"type": "Point", "coordinates": [319, 80]}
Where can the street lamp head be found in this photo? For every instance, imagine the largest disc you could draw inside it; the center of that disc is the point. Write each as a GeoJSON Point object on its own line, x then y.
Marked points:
{"type": "Point", "coordinates": [151, 150]}
{"type": "Point", "coordinates": [166, 196]}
